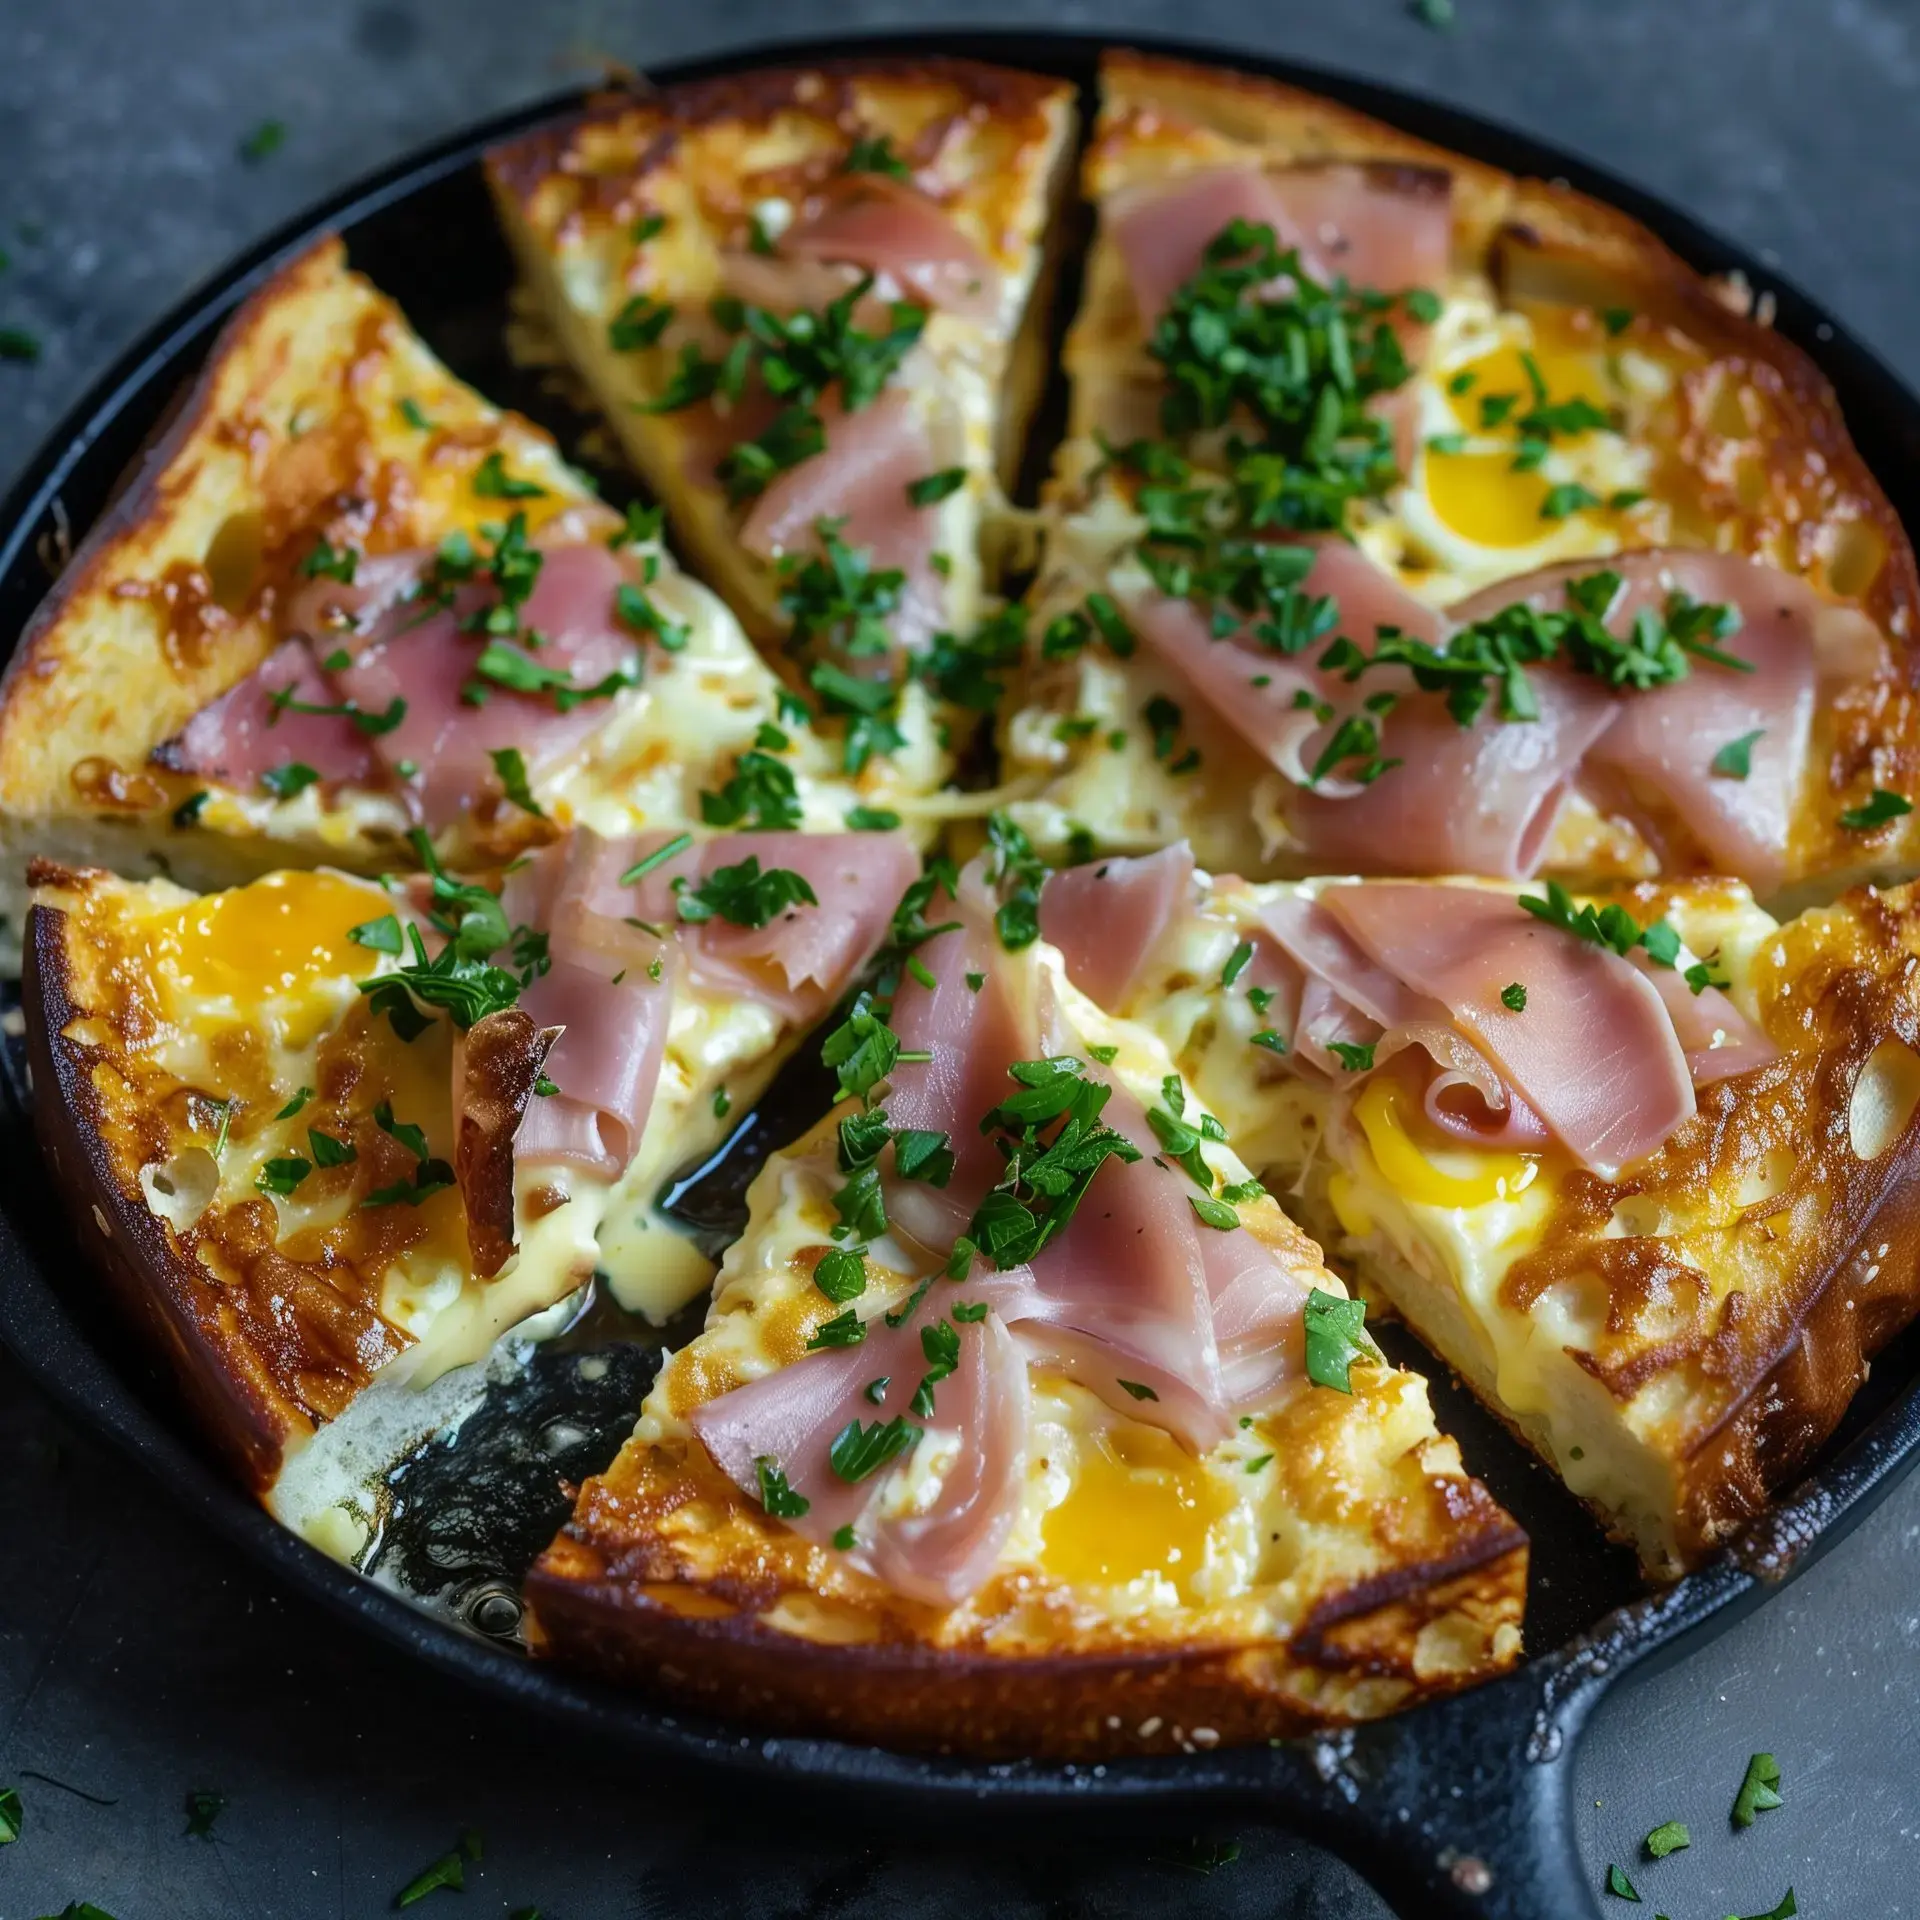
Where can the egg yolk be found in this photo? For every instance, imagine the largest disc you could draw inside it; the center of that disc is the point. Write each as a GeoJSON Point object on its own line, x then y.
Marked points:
{"type": "Point", "coordinates": [1389, 1114]}
{"type": "Point", "coordinates": [281, 937]}
{"type": "Point", "coordinates": [1139, 1504]}
{"type": "Point", "coordinates": [1481, 498]}
{"type": "Point", "coordinates": [1566, 376]}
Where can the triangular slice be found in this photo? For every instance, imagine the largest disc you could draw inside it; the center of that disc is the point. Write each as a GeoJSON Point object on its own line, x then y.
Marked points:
{"type": "Point", "coordinates": [344, 598]}
{"type": "Point", "coordinates": [319, 1199]}
{"type": "Point", "coordinates": [811, 295]}
{"type": "Point", "coordinates": [1640, 1170]}
{"type": "Point", "coordinates": [1522, 423]}
{"type": "Point", "coordinates": [1134, 1481]}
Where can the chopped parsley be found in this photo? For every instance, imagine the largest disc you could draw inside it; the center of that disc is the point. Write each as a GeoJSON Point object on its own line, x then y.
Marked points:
{"type": "Point", "coordinates": [841, 1273]}
{"type": "Point", "coordinates": [415, 415]}
{"type": "Point", "coordinates": [1336, 1338]}
{"type": "Point", "coordinates": [871, 819]}
{"type": "Point", "coordinates": [670, 850]}
{"type": "Point", "coordinates": [1217, 1214]}
{"type": "Point", "coordinates": [492, 481]}
{"type": "Point", "coordinates": [837, 598]}
{"type": "Point", "coordinates": [379, 936]}
{"type": "Point", "coordinates": [1759, 1791]}
{"type": "Point", "coordinates": [1611, 926]}
{"type": "Point", "coordinates": [1669, 1837]}
{"type": "Point", "coordinates": [1734, 761]}
{"type": "Point", "coordinates": [931, 488]}
{"type": "Point", "coordinates": [639, 323]}
{"type": "Point", "coordinates": [858, 1451]}
{"type": "Point", "coordinates": [327, 561]}
{"type": "Point", "coordinates": [1619, 1885]}
{"type": "Point", "coordinates": [1273, 1042]}
{"type": "Point", "coordinates": [776, 1496]}
{"type": "Point", "coordinates": [1236, 963]}
{"type": "Point", "coordinates": [511, 766]}
{"type": "Point", "coordinates": [1489, 657]}
{"type": "Point", "coordinates": [761, 793]}
{"type": "Point", "coordinates": [294, 778]}
{"type": "Point", "coordinates": [203, 1809]}
{"type": "Point", "coordinates": [970, 671]}
{"type": "Point", "coordinates": [639, 615]}
{"type": "Point", "coordinates": [1018, 872]}
{"type": "Point", "coordinates": [745, 896]}
{"type": "Point", "coordinates": [874, 154]}
{"type": "Point", "coordinates": [430, 1176]}
{"type": "Point", "coordinates": [1354, 1055]}
{"type": "Point", "coordinates": [293, 1106]}
{"type": "Point", "coordinates": [283, 1174]}
{"type": "Point", "coordinates": [862, 1050]}
{"type": "Point", "coordinates": [11, 1816]}
{"type": "Point", "coordinates": [18, 345]}
{"type": "Point", "coordinates": [1880, 807]}
{"type": "Point", "coordinates": [1567, 498]}
{"type": "Point", "coordinates": [843, 1330]}
{"type": "Point", "coordinates": [1514, 998]}
{"type": "Point", "coordinates": [329, 1152]}
{"type": "Point", "coordinates": [263, 142]}
{"type": "Point", "coordinates": [1139, 1391]}
{"type": "Point", "coordinates": [187, 813]}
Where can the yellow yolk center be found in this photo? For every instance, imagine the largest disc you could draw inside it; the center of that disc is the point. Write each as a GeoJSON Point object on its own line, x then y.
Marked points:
{"type": "Point", "coordinates": [1140, 1504]}
{"type": "Point", "coordinates": [280, 938]}
{"type": "Point", "coordinates": [1478, 492]}
{"type": "Point", "coordinates": [1390, 1117]}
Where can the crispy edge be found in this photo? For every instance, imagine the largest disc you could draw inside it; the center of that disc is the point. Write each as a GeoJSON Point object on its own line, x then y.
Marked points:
{"type": "Point", "coordinates": [228, 1391]}
{"type": "Point", "coordinates": [1071, 1706]}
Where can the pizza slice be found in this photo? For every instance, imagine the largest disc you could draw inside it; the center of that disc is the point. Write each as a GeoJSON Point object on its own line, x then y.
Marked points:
{"type": "Point", "coordinates": [1639, 1168]}
{"type": "Point", "coordinates": [1344, 403]}
{"type": "Point", "coordinates": [344, 599]}
{"type": "Point", "coordinates": [331, 1139]}
{"type": "Point", "coordinates": [812, 303]}
{"type": "Point", "coordinates": [1024, 1422]}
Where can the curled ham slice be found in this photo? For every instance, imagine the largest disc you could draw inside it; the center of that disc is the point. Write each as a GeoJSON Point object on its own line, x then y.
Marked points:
{"type": "Point", "coordinates": [1108, 917]}
{"type": "Point", "coordinates": [861, 479]}
{"type": "Point", "coordinates": [890, 228]}
{"type": "Point", "coordinates": [1387, 226]}
{"type": "Point", "coordinates": [242, 734]}
{"type": "Point", "coordinates": [791, 1416]}
{"type": "Point", "coordinates": [1661, 742]}
{"type": "Point", "coordinates": [1594, 1052]}
{"type": "Point", "coordinates": [601, 987]}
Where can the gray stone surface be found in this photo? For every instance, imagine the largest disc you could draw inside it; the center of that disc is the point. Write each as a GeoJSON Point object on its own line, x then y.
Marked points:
{"type": "Point", "coordinates": [137, 1660]}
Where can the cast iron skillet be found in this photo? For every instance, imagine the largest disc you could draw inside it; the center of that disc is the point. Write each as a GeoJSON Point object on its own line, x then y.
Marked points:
{"type": "Point", "coordinates": [1459, 1807]}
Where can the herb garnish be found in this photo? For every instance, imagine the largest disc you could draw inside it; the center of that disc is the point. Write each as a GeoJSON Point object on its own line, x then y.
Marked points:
{"type": "Point", "coordinates": [1759, 1791]}
{"type": "Point", "coordinates": [1611, 926]}
{"type": "Point", "coordinates": [492, 481]}
{"type": "Point", "coordinates": [11, 1816]}
{"type": "Point", "coordinates": [1734, 761]}
{"type": "Point", "coordinates": [931, 488]}
{"type": "Point", "coordinates": [776, 1496]}
{"type": "Point", "coordinates": [1619, 1885]}
{"type": "Point", "coordinates": [450, 1870]}
{"type": "Point", "coordinates": [511, 766]}
{"type": "Point", "coordinates": [203, 1809]}
{"type": "Point", "coordinates": [874, 154]}
{"type": "Point", "coordinates": [746, 896]}
{"type": "Point", "coordinates": [1669, 1837]}
{"type": "Point", "coordinates": [1336, 1338]}
{"type": "Point", "coordinates": [1880, 807]}
{"type": "Point", "coordinates": [858, 1451]}
{"type": "Point", "coordinates": [263, 142]}
{"type": "Point", "coordinates": [281, 1175]}
{"type": "Point", "coordinates": [294, 778]}
{"type": "Point", "coordinates": [330, 562]}
{"type": "Point", "coordinates": [761, 793]}
{"type": "Point", "coordinates": [1514, 998]}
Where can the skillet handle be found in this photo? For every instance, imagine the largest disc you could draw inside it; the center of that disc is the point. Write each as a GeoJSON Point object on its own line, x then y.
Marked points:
{"type": "Point", "coordinates": [1465, 1808]}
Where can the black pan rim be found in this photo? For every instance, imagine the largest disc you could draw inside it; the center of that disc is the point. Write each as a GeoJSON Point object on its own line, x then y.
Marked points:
{"type": "Point", "coordinates": [1549, 1697]}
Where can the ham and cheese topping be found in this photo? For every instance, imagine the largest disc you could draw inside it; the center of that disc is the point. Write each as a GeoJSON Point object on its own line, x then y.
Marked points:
{"type": "Point", "coordinates": [1515, 1022]}
{"type": "Point", "coordinates": [1048, 1218]}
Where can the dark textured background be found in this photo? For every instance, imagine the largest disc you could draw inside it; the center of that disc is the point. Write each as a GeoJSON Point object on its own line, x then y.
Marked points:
{"type": "Point", "coordinates": [138, 1659]}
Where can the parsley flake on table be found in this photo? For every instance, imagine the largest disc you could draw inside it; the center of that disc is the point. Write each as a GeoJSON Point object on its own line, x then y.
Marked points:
{"type": "Point", "coordinates": [1619, 1885]}
{"type": "Point", "coordinates": [1669, 1837]}
{"type": "Point", "coordinates": [11, 1816]}
{"type": "Point", "coordinates": [263, 142]}
{"type": "Point", "coordinates": [204, 1807]}
{"type": "Point", "coordinates": [1759, 1790]}
{"type": "Point", "coordinates": [450, 1870]}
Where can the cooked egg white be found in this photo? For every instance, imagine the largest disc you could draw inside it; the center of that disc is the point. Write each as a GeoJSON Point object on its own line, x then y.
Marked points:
{"type": "Point", "coordinates": [1433, 1223]}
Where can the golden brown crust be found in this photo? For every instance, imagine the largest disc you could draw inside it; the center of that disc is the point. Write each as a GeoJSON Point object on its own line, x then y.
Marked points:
{"type": "Point", "coordinates": [615, 1596]}
{"type": "Point", "coordinates": [229, 1386]}
{"type": "Point", "coordinates": [1758, 1320]}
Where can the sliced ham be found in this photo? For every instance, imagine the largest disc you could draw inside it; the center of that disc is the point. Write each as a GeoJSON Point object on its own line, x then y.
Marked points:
{"type": "Point", "coordinates": [618, 950]}
{"type": "Point", "coordinates": [890, 228]}
{"type": "Point", "coordinates": [1385, 226]}
{"type": "Point", "coordinates": [1257, 690]}
{"type": "Point", "coordinates": [242, 734]}
{"type": "Point", "coordinates": [1719, 1040]}
{"type": "Point", "coordinates": [861, 480]}
{"type": "Point", "coordinates": [1479, 799]}
{"type": "Point", "coordinates": [790, 1418]}
{"type": "Point", "coordinates": [1593, 1052]}
{"type": "Point", "coordinates": [430, 665]}
{"type": "Point", "coordinates": [801, 961]}
{"type": "Point", "coordinates": [1108, 917]}
{"type": "Point", "coordinates": [1661, 744]}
